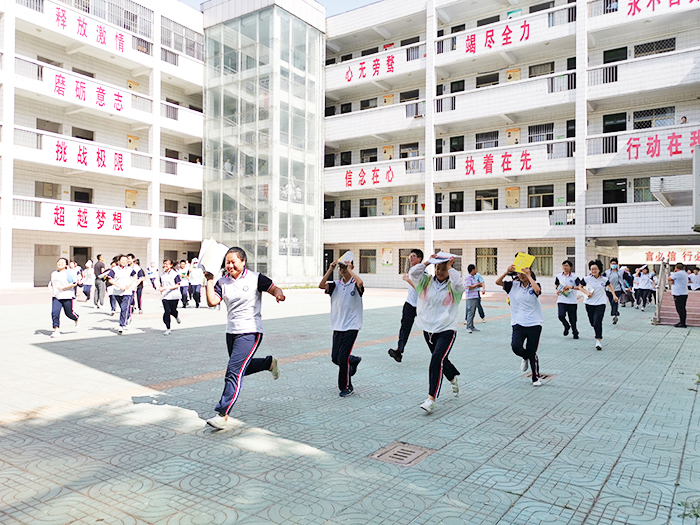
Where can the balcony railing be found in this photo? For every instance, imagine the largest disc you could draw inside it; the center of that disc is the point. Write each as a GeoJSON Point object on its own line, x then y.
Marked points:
{"type": "Point", "coordinates": [562, 83]}
{"type": "Point", "coordinates": [169, 111]}
{"type": "Point", "coordinates": [28, 139]}
{"type": "Point", "coordinates": [168, 166]}
{"type": "Point", "coordinates": [601, 215]}
{"type": "Point", "coordinates": [416, 109]}
{"type": "Point", "coordinates": [36, 5]}
{"type": "Point", "coordinates": [602, 7]}
{"type": "Point", "coordinates": [603, 75]}
{"type": "Point", "coordinates": [602, 145]}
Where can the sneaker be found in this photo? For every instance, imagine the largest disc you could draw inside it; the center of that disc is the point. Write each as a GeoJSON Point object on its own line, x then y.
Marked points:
{"type": "Point", "coordinates": [178, 320]}
{"type": "Point", "coordinates": [455, 387]}
{"type": "Point", "coordinates": [537, 383]}
{"type": "Point", "coordinates": [680, 325]}
{"type": "Point", "coordinates": [218, 422]}
{"type": "Point", "coordinates": [428, 405]}
{"type": "Point", "coordinates": [642, 308]}
{"type": "Point", "coordinates": [275, 369]}
{"type": "Point", "coordinates": [469, 330]}
{"type": "Point", "coordinates": [353, 368]}
{"type": "Point", "coordinates": [566, 332]}
{"type": "Point", "coordinates": [575, 336]}
{"type": "Point", "coordinates": [483, 319]}
{"type": "Point", "coordinates": [167, 332]}
{"type": "Point", "coordinates": [615, 320]}
{"type": "Point", "coordinates": [128, 321]}
{"type": "Point", "coordinates": [523, 365]}
{"type": "Point", "coordinates": [637, 307]}
{"type": "Point", "coordinates": [476, 329]}
{"type": "Point", "coordinates": [55, 334]}
{"type": "Point", "coordinates": [346, 393]}
{"type": "Point", "coordinates": [140, 311]}
{"type": "Point", "coordinates": [598, 345]}
{"type": "Point", "coordinates": [77, 323]}
{"type": "Point", "coordinates": [120, 331]}
{"type": "Point", "coordinates": [395, 354]}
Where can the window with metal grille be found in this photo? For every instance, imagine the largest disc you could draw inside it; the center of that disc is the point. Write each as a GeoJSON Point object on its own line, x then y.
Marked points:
{"type": "Point", "coordinates": [540, 196]}
{"type": "Point", "coordinates": [541, 69]}
{"type": "Point", "coordinates": [126, 14]}
{"type": "Point", "coordinates": [368, 261]}
{"type": "Point", "coordinates": [487, 140]}
{"type": "Point", "coordinates": [487, 80]}
{"type": "Point", "coordinates": [543, 263]}
{"type": "Point", "coordinates": [368, 207]}
{"type": "Point", "coordinates": [642, 190]}
{"type": "Point", "coordinates": [654, 48]}
{"type": "Point", "coordinates": [486, 261]}
{"type": "Point", "coordinates": [540, 132]}
{"type": "Point", "coordinates": [404, 263]}
{"type": "Point", "coordinates": [408, 204]}
{"type": "Point", "coordinates": [141, 45]}
{"type": "Point", "coordinates": [654, 118]}
{"type": "Point", "coordinates": [486, 200]}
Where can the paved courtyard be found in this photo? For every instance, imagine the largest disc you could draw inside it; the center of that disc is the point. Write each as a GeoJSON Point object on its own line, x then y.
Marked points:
{"type": "Point", "coordinates": [101, 428]}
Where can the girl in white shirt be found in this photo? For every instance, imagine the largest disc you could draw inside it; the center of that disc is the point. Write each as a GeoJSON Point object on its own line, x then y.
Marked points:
{"type": "Point", "coordinates": [170, 290]}
{"type": "Point", "coordinates": [88, 279]}
{"type": "Point", "coordinates": [62, 285]}
{"type": "Point", "coordinates": [594, 286]}
{"type": "Point", "coordinates": [526, 318]}
{"type": "Point", "coordinates": [646, 287]}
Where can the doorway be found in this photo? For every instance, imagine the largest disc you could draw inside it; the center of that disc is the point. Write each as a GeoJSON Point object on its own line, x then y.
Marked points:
{"type": "Point", "coordinates": [45, 257]}
{"type": "Point", "coordinates": [80, 254]}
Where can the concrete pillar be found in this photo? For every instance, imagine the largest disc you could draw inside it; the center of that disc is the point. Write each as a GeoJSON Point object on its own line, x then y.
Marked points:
{"type": "Point", "coordinates": [581, 133]}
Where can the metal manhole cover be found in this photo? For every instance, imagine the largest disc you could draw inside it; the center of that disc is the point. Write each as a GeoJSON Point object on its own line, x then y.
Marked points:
{"type": "Point", "coordinates": [399, 453]}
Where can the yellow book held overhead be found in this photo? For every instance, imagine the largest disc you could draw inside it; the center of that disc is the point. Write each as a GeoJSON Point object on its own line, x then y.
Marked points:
{"type": "Point", "coordinates": [523, 260]}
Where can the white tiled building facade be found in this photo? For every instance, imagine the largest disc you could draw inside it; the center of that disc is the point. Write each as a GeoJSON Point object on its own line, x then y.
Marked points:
{"type": "Point", "coordinates": [486, 128]}
{"type": "Point", "coordinates": [101, 133]}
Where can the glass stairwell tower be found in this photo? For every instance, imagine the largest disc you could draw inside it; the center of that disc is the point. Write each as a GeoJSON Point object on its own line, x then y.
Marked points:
{"type": "Point", "coordinates": [263, 134]}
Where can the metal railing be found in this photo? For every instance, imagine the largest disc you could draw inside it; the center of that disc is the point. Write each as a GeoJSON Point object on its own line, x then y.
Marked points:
{"type": "Point", "coordinates": [141, 103]}
{"type": "Point", "coordinates": [602, 7]}
{"type": "Point", "coordinates": [561, 83]}
{"type": "Point", "coordinates": [414, 53]}
{"type": "Point", "coordinates": [26, 208]}
{"type": "Point", "coordinates": [561, 150]}
{"type": "Point", "coordinates": [168, 167]}
{"type": "Point", "coordinates": [601, 215]}
{"type": "Point", "coordinates": [603, 75]}
{"type": "Point", "coordinates": [168, 221]}
{"type": "Point", "coordinates": [445, 104]}
{"type": "Point", "coordinates": [36, 5]}
{"type": "Point", "coordinates": [561, 17]}
{"type": "Point", "coordinates": [414, 223]}
{"type": "Point", "coordinates": [562, 217]}
{"type": "Point", "coordinates": [28, 139]}
{"type": "Point", "coordinates": [141, 45]}
{"type": "Point", "coordinates": [661, 291]}
{"type": "Point", "coordinates": [140, 161]}
{"type": "Point", "coordinates": [602, 145]}
{"type": "Point", "coordinates": [169, 57]}
{"type": "Point", "coordinates": [445, 163]}
{"type": "Point", "coordinates": [168, 111]}
{"type": "Point", "coordinates": [415, 166]}
{"type": "Point", "coordinates": [416, 109]}
{"type": "Point", "coordinates": [29, 69]}
{"type": "Point", "coordinates": [140, 219]}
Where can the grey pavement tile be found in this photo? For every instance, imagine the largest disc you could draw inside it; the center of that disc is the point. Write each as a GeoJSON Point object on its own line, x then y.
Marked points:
{"type": "Point", "coordinates": [527, 511]}
{"type": "Point", "coordinates": [624, 510]}
{"type": "Point", "coordinates": [303, 510]}
{"type": "Point", "coordinates": [480, 504]}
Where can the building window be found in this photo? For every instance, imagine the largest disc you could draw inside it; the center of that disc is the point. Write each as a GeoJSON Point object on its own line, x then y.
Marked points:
{"type": "Point", "coordinates": [487, 140]}
{"type": "Point", "coordinates": [368, 104]}
{"type": "Point", "coordinates": [540, 132]}
{"type": "Point", "coordinates": [371, 51]}
{"type": "Point", "coordinates": [571, 256]}
{"type": "Point", "coordinates": [345, 58]}
{"type": "Point", "coordinates": [614, 122]}
{"type": "Point", "coordinates": [407, 96]}
{"type": "Point", "coordinates": [458, 28]}
{"type": "Point", "coordinates": [408, 204]}
{"type": "Point", "coordinates": [486, 260]}
{"type": "Point", "coordinates": [543, 263]}
{"type": "Point", "coordinates": [368, 261]}
{"type": "Point", "coordinates": [540, 196]}
{"type": "Point", "coordinates": [456, 144]}
{"type": "Point", "coordinates": [83, 195]}
{"type": "Point", "coordinates": [409, 41]}
{"type": "Point", "coordinates": [570, 193]}
{"type": "Point", "coordinates": [329, 160]}
{"type": "Point", "coordinates": [654, 118]}
{"type": "Point", "coordinates": [541, 69]}
{"type": "Point", "coordinates": [541, 7]}
{"type": "Point", "coordinates": [614, 55]}
{"type": "Point", "coordinates": [615, 192]}
{"type": "Point", "coordinates": [487, 80]}
{"type": "Point", "coordinates": [346, 108]}
{"type": "Point", "coordinates": [486, 200]}
{"type": "Point", "coordinates": [346, 158]}
{"type": "Point", "coordinates": [642, 190]}
{"type": "Point", "coordinates": [345, 209]}
{"type": "Point", "coordinates": [330, 111]}
{"type": "Point", "coordinates": [404, 263]}
{"type": "Point", "coordinates": [368, 207]}
{"type": "Point", "coordinates": [654, 48]}
{"type": "Point", "coordinates": [487, 21]}
{"type": "Point", "coordinates": [570, 63]}
{"type": "Point", "coordinates": [456, 201]}
{"type": "Point", "coordinates": [408, 150]}
{"type": "Point", "coordinates": [457, 86]}
{"type": "Point", "coordinates": [330, 61]}
{"type": "Point", "coordinates": [368, 155]}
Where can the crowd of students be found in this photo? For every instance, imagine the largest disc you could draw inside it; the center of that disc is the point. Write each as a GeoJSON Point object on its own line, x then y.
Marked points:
{"type": "Point", "coordinates": [433, 301]}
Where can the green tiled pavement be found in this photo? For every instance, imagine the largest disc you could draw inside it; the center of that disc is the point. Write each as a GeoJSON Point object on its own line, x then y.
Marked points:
{"type": "Point", "coordinates": [611, 437]}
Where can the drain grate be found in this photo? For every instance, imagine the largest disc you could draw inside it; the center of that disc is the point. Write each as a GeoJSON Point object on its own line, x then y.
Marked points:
{"type": "Point", "coordinates": [399, 453]}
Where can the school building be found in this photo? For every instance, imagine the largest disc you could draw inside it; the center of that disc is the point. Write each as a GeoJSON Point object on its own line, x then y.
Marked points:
{"type": "Point", "coordinates": [102, 130]}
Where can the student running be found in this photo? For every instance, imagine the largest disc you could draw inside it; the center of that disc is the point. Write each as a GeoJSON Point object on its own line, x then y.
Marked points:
{"type": "Point", "coordinates": [526, 317]}
{"type": "Point", "coordinates": [62, 285]}
{"type": "Point", "coordinates": [241, 290]}
{"type": "Point", "coordinates": [170, 290]}
{"type": "Point", "coordinates": [122, 277]}
{"type": "Point", "coordinates": [596, 298]}
{"type": "Point", "coordinates": [566, 284]}
{"type": "Point", "coordinates": [437, 315]}
{"type": "Point", "coordinates": [409, 309]}
{"type": "Point", "coordinates": [346, 319]}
